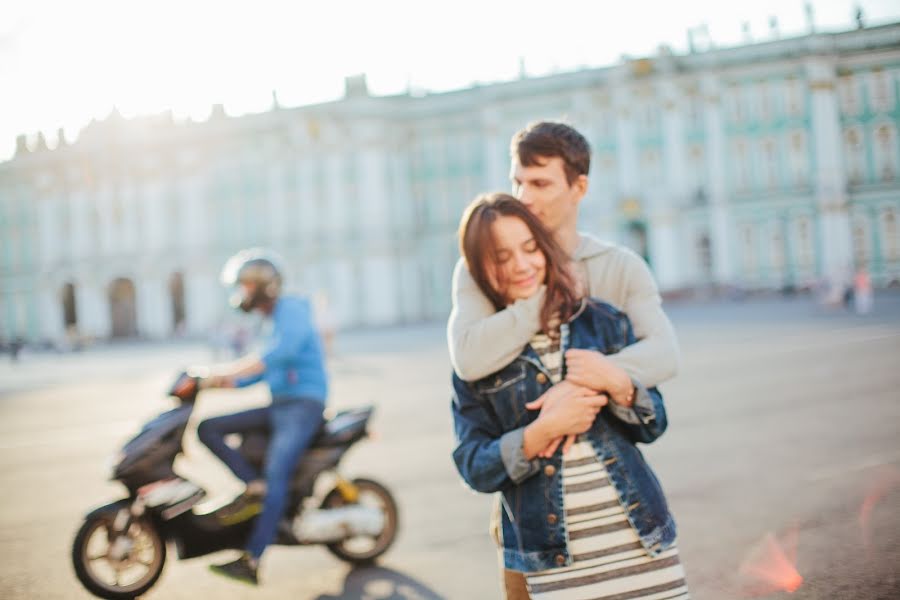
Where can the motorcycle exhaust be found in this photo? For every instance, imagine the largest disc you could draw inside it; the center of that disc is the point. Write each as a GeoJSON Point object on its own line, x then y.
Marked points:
{"type": "Point", "coordinates": [334, 524]}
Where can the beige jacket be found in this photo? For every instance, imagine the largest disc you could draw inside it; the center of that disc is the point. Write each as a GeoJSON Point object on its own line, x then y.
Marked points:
{"type": "Point", "coordinates": [483, 340]}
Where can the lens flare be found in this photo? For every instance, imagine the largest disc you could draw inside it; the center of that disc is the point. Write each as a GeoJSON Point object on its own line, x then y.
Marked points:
{"type": "Point", "coordinates": [887, 480]}
{"type": "Point", "coordinates": [770, 565]}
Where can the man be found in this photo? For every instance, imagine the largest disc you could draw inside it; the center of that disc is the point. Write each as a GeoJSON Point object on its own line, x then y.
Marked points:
{"type": "Point", "coordinates": [292, 366]}
{"type": "Point", "coordinates": [549, 172]}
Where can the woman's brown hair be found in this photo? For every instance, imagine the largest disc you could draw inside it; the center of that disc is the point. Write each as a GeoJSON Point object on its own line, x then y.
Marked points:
{"type": "Point", "coordinates": [476, 244]}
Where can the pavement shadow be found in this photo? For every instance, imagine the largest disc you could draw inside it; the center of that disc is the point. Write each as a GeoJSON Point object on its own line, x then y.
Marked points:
{"type": "Point", "coordinates": [381, 583]}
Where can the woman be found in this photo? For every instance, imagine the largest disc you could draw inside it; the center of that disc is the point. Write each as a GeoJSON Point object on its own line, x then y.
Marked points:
{"type": "Point", "coordinates": [588, 520]}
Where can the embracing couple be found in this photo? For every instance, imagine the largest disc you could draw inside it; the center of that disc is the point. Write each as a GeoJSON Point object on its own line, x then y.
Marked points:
{"type": "Point", "coordinates": [558, 341]}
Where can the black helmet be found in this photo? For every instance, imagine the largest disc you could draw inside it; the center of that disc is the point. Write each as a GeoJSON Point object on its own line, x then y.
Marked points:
{"type": "Point", "coordinates": [258, 266]}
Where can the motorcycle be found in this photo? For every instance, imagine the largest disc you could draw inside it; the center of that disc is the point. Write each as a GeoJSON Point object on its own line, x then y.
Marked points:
{"type": "Point", "coordinates": [120, 549]}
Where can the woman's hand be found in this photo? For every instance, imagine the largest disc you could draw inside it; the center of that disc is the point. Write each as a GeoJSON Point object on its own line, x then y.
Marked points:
{"type": "Point", "coordinates": [590, 369]}
{"type": "Point", "coordinates": [566, 411]}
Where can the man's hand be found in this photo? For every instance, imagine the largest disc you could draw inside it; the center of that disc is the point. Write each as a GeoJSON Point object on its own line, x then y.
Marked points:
{"type": "Point", "coordinates": [566, 411]}
{"type": "Point", "coordinates": [590, 369]}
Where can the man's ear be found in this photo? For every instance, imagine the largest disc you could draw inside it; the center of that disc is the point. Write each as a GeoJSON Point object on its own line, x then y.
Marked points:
{"type": "Point", "coordinates": [581, 185]}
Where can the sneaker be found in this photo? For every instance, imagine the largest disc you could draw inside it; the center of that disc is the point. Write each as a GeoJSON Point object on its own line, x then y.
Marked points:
{"type": "Point", "coordinates": [244, 507]}
{"type": "Point", "coordinates": [243, 569]}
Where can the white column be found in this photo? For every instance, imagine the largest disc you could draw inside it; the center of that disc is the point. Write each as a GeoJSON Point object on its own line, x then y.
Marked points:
{"type": "Point", "coordinates": [50, 313]}
{"type": "Point", "coordinates": [667, 247]}
{"type": "Point", "coordinates": [830, 177]}
{"type": "Point", "coordinates": [49, 234]}
{"type": "Point", "coordinates": [130, 226]}
{"type": "Point", "coordinates": [629, 182]}
{"type": "Point", "coordinates": [154, 307]}
{"type": "Point", "coordinates": [92, 300]}
{"type": "Point", "coordinates": [204, 299]}
{"type": "Point", "coordinates": [276, 204]}
{"type": "Point", "coordinates": [372, 185]}
{"type": "Point", "coordinates": [495, 150]}
{"type": "Point", "coordinates": [152, 201]}
{"type": "Point", "coordinates": [721, 239]}
{"type": "Point", "coordinates": [664, 243]}
{"type": "Point", "coordinates": [377, 305]}
{"type": "Point", "coordinates": [79, 207]}
{"type": "Point", "coordinates": [194, 226]}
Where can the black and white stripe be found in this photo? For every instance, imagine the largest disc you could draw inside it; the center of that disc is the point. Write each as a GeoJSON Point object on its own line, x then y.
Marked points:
{"type": "Point", "coordinates": [609, 561]}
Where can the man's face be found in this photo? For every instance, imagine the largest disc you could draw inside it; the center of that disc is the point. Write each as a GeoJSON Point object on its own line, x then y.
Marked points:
{"type": "Point", "coordinates": [543, 188]}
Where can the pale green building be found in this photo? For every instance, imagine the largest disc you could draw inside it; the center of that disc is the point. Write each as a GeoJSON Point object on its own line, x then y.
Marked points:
{"type": "Point", "coordinates": [764, 166]}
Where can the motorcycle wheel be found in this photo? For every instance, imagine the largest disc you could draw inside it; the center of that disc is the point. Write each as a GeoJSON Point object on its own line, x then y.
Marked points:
{"type": "Point", "coordinates": [364, 549]}
{"type": "Point", "coordinates": [117, 566]}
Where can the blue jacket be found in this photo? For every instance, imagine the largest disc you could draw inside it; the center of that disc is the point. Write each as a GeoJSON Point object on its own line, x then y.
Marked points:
{"type": "Point", "coordinates": [293, 356]}
{"type": "Point", "coordinates": [490, 418]}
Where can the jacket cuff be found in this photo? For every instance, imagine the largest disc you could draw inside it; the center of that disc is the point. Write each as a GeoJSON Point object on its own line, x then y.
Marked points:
{"type": "Point", "coordinates": [517, 466]}
{"type": "Point", "coordinates": [641, 410]}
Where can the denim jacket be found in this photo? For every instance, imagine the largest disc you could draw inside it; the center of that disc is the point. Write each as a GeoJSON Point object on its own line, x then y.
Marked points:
{"type": "Point", "coordinates": [490, 417]}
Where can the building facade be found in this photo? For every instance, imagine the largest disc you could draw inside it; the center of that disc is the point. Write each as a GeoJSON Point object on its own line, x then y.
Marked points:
{"type": "Point", "coordinates": [771, 165]}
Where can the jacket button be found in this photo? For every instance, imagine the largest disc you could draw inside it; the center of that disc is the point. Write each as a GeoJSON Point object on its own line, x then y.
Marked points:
{"type": "Point", "coordinates": [541, 378]}
{"type": "Point", "coordinates": [549, 470]}
{"type": "Point", "coordinates": [560, 559]}
{"type": "Point", "coordinates": [551, 518]}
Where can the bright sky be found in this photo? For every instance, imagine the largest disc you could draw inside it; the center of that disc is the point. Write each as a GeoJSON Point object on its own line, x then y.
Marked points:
{"type": "Point", "coordinates": [63, 62]}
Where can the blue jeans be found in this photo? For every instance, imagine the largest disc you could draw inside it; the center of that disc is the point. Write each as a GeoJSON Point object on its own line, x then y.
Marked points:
{"type": "Point", "coordinates": [294, 424]}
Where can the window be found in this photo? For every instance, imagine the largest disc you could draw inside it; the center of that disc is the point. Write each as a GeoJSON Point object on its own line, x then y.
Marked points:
{"type": "Point", "coordinates": [803, 228]}
{"type": "Point", "coordinates": [650, 166]}
{"type": "Point", "coordinates": [776, 248]}
{"type": "Point", "coordinates": [881, 91]}
{"type": "Point", "coordinates": [890, 243]}
{"type": "Point", "coordinates": [886, 152]}
{"type": "Point", "coordinates": [748, 250]}
{"type": "Point", "coordinates": [798, 158]}
{"type": "Point", "coordinates": [848, 93]}
{"type": "Point", "coordinates": [741, 166]}
{"type": "Point", "coordinates": [696, 166]}
{"type": "Point", "coordinates": [794, 97]}
{"type": "Point", "coordinates": [854, 155]}
{"type": "Point", "coordinates": [769, 151]}
{"type": "Point", "coordinates": [766, 106]}
{"type": "Point", "coordinates": [861, 251]}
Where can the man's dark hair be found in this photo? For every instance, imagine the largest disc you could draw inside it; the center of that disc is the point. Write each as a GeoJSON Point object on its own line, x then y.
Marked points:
{"type": "Point", "coordinates": [546, 139]}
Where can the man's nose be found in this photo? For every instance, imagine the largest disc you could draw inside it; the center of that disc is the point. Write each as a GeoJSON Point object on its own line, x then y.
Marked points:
{"type": "Point", "coordinates": [521, 193]}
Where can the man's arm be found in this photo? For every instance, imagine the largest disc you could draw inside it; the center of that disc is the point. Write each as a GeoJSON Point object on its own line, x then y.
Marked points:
{"type": "Point", "coordinates": [655, 357]}
{"type": "Point", "coordinates": [481, 339]}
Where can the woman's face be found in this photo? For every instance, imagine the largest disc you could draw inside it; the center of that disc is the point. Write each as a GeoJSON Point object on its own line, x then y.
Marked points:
{"type": "Point", "coordinates": [520, 269]}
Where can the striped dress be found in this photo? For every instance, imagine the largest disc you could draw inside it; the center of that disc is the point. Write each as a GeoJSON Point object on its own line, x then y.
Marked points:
{"type": "Point", "coordinates": [609, 562]}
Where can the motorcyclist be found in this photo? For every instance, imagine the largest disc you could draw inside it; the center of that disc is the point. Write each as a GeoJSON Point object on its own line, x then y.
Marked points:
{"type": "Point", "coordinates": [292, 365]}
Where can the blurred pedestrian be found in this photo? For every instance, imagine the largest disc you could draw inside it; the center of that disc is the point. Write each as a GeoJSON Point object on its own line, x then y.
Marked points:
{"type": "Point", "coordinates": [862, 292]}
